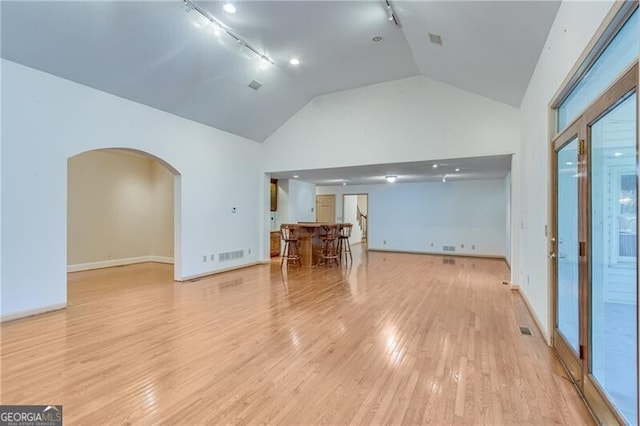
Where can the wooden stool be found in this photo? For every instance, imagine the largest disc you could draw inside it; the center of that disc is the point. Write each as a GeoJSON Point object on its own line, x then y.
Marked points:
{"type": "Point", "coordinates": [329, 245]}
{"type": "Point", "coordinates": [344, 246]}
{"type": "Point", "coordinates": [290, 252]}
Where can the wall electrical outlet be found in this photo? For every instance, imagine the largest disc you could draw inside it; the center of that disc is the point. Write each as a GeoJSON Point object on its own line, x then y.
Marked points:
{"type": "Point", "coordinates": [204, 258]}
{"type": "Point", "coordinates": [212, 257]}
{"type": "Point", "coordinates": [249, 251]}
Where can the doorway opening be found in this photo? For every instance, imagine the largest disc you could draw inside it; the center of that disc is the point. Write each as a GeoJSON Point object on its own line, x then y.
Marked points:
{"type": "Point", "coordinates": [355, 210]}
{"type": "Point", "coordinates": [122, 209]}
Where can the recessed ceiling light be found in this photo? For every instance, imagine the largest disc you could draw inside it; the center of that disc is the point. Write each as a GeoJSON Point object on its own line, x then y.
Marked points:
{"type": "Point", "coordinates": [376, 39]}
{"type": "Point", "coordinates": [229, 8]}
{"type": "Point", "coordinates": [391, 179]}
{"type": "Point", "coordinates": [435, 166]}
{"type": "Point", "coordinates": [296, 176]}
{"type": "Point", "coordinates": [435, 39]}
{"type": "Point", "coordinates": [457, 169]}
{"type": "Point", "coordinates": [617, 154]}
{"type": "Point", "coordinates": [294, 61]}
{"type": "Point", "coordinates": [344, 183]}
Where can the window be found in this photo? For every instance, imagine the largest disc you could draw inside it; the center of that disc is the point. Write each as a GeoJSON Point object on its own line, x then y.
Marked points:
{"type": "Point", "coordinates": [618, 54]}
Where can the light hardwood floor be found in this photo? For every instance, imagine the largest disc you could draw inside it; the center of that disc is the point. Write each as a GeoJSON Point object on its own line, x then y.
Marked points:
{"type": "Point", "coordinates": [396, 338]}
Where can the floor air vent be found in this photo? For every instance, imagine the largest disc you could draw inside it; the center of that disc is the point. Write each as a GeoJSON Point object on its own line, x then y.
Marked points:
{"type": "Point", "coordinates": [231, 255]}
{"type": "Point", "coordinates": [525, 330]}
{"type": "Point", "coordinates": [449, 261]}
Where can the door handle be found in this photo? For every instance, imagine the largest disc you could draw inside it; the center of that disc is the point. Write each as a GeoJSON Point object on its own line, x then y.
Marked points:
{"type": "Point", "coordinates": [552, 255]}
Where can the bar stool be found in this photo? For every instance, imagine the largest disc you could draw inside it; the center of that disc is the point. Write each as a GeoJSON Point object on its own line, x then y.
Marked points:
{"type": "Point", "coordinates": [329, 240]}
{"type": "Point", "coordinates": [344, 246]}
{"type": "Point", "coordinates": [290, 252]}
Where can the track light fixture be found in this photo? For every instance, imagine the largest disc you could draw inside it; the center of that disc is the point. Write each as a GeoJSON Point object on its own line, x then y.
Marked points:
{"type": "Point", "coordinates": [192, 6]}
{"type": "Point", "coordinates": [391, 14]}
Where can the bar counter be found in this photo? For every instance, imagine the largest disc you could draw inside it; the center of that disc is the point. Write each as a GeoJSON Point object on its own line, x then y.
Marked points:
{"type": "Point", "coordinates": [309, 243]}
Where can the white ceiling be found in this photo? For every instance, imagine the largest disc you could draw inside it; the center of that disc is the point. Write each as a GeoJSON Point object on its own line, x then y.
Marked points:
{"type": "Point", "coordinates": [491, 167]}
{"type": "Point", "coordinates": [156, 53]}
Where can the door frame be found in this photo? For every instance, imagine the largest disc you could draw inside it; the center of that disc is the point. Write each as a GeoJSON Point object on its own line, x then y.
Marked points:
{"type": "Point", "coordinates": [601, 408]}
{"type": "Point", "coordinates": [345, 194]}
{"type": "Point", "coordinates": [571, 360]}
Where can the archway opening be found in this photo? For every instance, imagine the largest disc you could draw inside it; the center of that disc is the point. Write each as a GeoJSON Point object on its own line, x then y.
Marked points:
{"type": "Point", "coordinates": [122, 211]}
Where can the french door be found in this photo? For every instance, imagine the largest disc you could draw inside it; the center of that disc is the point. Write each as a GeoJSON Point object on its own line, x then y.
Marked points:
{"type": "Point", "coordinates": [594, 251]}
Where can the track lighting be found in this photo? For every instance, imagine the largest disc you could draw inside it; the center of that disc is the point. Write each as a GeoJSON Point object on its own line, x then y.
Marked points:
{"type": "Point", "coordinates": [391, 14]}
{"type": "Point", "coordinates": [221, 27]}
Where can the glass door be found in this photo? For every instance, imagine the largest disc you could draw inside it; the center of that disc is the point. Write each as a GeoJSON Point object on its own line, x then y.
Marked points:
{"type": "Point", "coordinates": [595, 252]}
{"type": "Point", "coordinates": [566, 251]}
{"type": "Point", "coordinates": [614, 267]}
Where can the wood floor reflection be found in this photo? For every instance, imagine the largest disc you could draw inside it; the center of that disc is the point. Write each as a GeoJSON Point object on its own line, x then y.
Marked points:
{"type": "Point", "coordinates": [395, 338]}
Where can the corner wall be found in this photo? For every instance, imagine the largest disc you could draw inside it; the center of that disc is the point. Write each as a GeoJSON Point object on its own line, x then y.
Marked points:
{"type": "Point", "coordinates": [412, 119]}
{"type": "Point", "coordinates": [573, 28]}
{"type": "Point", "coordinates": [46, 120]}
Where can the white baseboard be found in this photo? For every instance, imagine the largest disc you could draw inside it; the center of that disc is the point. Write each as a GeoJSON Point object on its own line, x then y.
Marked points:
{"type": "Point", "coordinates": [117, 262]}
{"type": "Point", "coordinates": [31, 312]}
{"type": "Point", "coordinates": [219, 271]}
{"type": "Point", "coordinates": [542, 331]}
{"type": "Point", "coordinates": [161, 259]}
{"type": "Point", "coordinates": [440, 253]}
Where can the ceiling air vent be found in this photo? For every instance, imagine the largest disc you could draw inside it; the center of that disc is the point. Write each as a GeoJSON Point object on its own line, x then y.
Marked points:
{"type": "Point", "coordinates": [255, 84]}
{"type": "Point", "coordinates": [435, 39]}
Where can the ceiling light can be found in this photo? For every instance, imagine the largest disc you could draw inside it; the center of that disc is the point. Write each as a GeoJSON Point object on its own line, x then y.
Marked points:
{"type": "Point", "coordinates": [229, 8]}
{"type": "Point", "coordinates": [294, 61]}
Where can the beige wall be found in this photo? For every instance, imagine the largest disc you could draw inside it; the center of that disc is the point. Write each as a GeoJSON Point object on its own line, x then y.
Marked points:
{"type": "Point", "coordinates": [362, 204]}
{"type": "Point", "coordinates": [120, 206]}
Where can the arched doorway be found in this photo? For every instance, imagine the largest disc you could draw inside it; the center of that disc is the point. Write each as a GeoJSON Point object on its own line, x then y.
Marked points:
{"type": "Point", "coordinates": [123, 208]}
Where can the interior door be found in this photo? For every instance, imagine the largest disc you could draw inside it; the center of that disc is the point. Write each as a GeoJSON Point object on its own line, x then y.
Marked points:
{"type": "Point", "coordinates": [326, 208]}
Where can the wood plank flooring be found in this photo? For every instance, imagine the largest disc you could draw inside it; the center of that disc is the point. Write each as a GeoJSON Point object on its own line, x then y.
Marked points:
{"type": "Point", "coordinates": [395, 338]}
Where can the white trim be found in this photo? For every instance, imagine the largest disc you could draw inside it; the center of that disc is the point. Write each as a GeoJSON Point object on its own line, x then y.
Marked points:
{"type": "Point", "coordinates": [442, 253]}
{"type": "Point", "coordinates": [161, 259]}
{"type": "Point", "coordinates": [32, 312]}
{"type": "Point", "coordinates": [117, 262]}
{"type": "Point", "coordinates": [219, 271]}
{"type": "Point", "coordinates": [545, 335]}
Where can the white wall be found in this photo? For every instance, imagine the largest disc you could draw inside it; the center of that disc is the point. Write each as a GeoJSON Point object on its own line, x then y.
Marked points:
{"type": "Point", "coordinates": [413, 216]}
{"type": "Point", "coordinates": [46, 120]}
{"type": "Point", "coordinates": [574, 26]}
{"type": "Point", "coordinates": [507, 230]}
{"type": "Point", "coordinates": [120, 206]}
{"type": "Point", "coordinates": [412, 119]}
{"type": "Point", "coordinates": [302, 201]}
{"type": "Point", "coordinates": [350, 215]}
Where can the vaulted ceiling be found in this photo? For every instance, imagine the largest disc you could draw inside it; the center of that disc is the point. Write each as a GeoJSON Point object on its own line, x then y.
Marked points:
{"type": "Point", "coordinates": [160, 54]}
